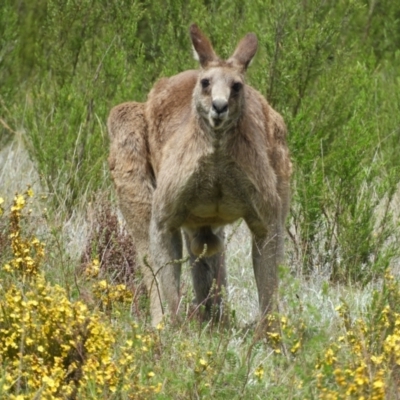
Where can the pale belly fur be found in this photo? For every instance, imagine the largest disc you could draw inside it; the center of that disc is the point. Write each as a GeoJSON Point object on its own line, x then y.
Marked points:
{"type": "Point", "coordinates": [214, 214]}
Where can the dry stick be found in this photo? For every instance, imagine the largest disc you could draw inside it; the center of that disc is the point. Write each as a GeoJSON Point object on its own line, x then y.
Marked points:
{"type": "Point", "coordinates": [215, 282]}
{"type": "Point", "coordinates": [146, 263]}
{"type": "Point", "coordinates": [2, 122]}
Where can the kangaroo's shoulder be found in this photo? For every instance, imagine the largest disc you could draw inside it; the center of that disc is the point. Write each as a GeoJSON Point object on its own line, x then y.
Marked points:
{"type": "Point", "coordinates": [175, 91]}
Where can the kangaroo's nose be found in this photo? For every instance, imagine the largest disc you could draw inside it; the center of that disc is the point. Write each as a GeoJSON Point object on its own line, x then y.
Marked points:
{"type": "Point", "coordinates": [220, 106]}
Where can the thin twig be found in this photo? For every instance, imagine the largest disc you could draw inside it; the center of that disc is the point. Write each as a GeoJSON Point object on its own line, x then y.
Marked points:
{"type": "Point", "coordinates": [5, 125]}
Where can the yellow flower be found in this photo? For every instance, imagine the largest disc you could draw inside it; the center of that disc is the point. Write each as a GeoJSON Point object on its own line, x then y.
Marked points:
{"type": "Point", "coordinates": [296, 347]}
{"type": "Point", "coordinates": [19, 202]}
{"type": "Point", "coordinates": [377, 359]}
{"type": "Point", "coordinates": [330, 357]}
{"type": "Point", "coordinates": [360, 380]}
{"type": "Point", "coordinates": [29, 192]}
{"type": "Point", "coordinates": [259, 372]}
{"type": "Point", "coordinates": [160, 326]}
{"type": "Point", "coordinates": [7, 267]}
{"type": "Point", "coordinates": [378, 384]}
{"type": "Point", "coordinates": [157, 389]}
{"type": "Point", "coordinates": [103, 284]}
{"type": "Point", "coordinates": [151, 374]}
{"type": "Point", "coordinates": [203, 362]}
{"type": "Point", "coordinates": [49, 381]}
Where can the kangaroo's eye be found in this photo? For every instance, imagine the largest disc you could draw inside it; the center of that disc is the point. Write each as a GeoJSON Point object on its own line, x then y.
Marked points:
{"type": "Point", "coordinates": [236, 87]}
{"type": "Point", "coordinates": [205, 83]}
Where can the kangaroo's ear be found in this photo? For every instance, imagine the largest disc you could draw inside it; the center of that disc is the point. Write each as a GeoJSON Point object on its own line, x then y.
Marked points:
{"type": "Point", "coordinates": [245, 51]}
{"type": "Point", "coordinates": [202, 47]}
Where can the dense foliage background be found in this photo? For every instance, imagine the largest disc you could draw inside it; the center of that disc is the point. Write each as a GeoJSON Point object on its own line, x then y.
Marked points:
{"type": "Point", "coordinates": [330, 67]}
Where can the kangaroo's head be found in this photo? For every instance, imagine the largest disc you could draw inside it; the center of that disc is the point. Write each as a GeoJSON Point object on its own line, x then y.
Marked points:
{"type": "Point", "coordinates": [219, 91]}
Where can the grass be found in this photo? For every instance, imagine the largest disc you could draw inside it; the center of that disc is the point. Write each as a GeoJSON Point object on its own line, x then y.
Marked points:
{"type": "Point", "coordinates": [73, 333]}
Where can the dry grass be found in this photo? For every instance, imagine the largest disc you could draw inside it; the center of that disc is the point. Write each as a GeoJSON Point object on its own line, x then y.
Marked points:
{"type": "Point", "coordinates": [17, 170]}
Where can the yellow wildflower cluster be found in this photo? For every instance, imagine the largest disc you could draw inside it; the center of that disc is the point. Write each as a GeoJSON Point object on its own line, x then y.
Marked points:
{"type": "Point", "coordinates": [106, 293]}
{"type": "Point", "coordinates": [197, 360]}
{"type": "Point", "coordinates": [205, 373]}
{"type": "Point", "coordinates": [47, 342]}
{"type": "Point", "coordinates": [285, 333]}
{"type": "Point", "coordinates": [92, 270]}
{"type": "Point", "coordinates": [259, 372]}
{"type": "Point", "coordinates": [203, 363]}
{"type": "Point", "coordinates": [365, 361]}
{"type": "Point", "coordinates": [28, 253]}
{"type": "Point", "coordinates": [52, 347]}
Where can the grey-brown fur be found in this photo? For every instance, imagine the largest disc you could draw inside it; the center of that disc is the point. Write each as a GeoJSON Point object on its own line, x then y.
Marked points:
{"type": "Point", "coordinates": [203, 151]}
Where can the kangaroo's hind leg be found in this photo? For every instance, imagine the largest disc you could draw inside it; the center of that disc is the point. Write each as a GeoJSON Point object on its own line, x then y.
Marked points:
{"type": "Point", "coordinates": [134, 182]}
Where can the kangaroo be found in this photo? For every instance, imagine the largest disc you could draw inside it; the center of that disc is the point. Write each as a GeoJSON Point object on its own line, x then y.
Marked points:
{"type": "Point", "coordinates": [203, 151]}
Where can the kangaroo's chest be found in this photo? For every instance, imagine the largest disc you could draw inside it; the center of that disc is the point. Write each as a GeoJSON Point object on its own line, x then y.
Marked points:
{"type": "Point", "coordinates": [217, 193]}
